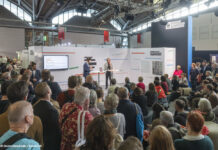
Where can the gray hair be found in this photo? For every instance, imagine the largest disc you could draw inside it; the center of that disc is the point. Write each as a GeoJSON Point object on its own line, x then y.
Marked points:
{"type": "Point", "coordinates": [209, 72]}
{"type": "Point", "coordinates": [6, 75]}
{"type": "Point", "coordinates": [93, 99]}
{"type": "Point", "coordinates": [111, 101]}
{"type": "Point", "coordinates": [204, 105]}
{"type": "Point", "coordinates": [123, 93]}
{"type": "Point", "coordinates": [81, 95]}
{"type": "Point", "coordinates": [18, 111]}
{"type": "Point", "coordinates": [166, 117]}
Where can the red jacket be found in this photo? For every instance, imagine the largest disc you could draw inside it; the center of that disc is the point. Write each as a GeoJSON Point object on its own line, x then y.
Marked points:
{"type": "Point", "coordinates": [160, 92]}
{"type": "Point", "coordinates": [141, 85]}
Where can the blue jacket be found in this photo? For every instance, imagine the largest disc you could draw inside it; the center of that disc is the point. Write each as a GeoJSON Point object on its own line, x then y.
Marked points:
{"type": "Point", "coordinates": [37, 76]}
{"type": "Point", "coordinates": [55, 89]}
{"type": "Point", "coordinates": [127, 108]}
{"type": "Point", "coordinates": [86, 69]}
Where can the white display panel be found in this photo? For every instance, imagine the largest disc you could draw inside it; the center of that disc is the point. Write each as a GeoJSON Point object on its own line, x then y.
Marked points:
{"type": "Point", "coordinates": [56, 62]}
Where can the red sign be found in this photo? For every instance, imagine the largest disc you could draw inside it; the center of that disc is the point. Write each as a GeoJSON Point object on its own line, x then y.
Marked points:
{"type": "Point", "coordinates": [139, 38]}
{"type": "Point", "coordinates": [61, 33]}
{"type": "Point", "coordinates": [106, 36]}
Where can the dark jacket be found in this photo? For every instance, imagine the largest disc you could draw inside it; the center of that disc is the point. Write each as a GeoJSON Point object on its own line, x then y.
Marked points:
{"type": "Point", "coordinates": [175, 85]}
{"type": "Point", "coordinates": [86, 70]}
{"type": "Point", "coordinates": [4, 105]}
{"type": "Point", "coordinates": [204, 70]}
{"type": "Point", "coordinates": [141, 100]}
{"type": "Point", "coordinates": [37, 76]}
{"type": "Point", "coordinates": [89, 86]}
{"type": "Point", "coordinates": [55, 88]}
{"type": "Point", "coordinates": [180, 118]}
{"type": "Point", "coordinates": [49, 117]}
{"type": "Point", "coordinates": [151, 98]}
{"type": "Point", "coordinates": [128, 109]}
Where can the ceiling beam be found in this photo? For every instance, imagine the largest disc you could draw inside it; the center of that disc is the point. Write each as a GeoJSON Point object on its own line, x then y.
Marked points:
{"type": "Point", "coordinates": [40, 9]}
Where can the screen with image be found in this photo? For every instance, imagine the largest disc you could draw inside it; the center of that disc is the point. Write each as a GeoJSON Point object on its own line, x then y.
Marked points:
{"type": "Point", "coordinates": [56, 62]}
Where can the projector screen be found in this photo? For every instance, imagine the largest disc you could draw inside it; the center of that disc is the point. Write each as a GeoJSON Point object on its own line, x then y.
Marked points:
{"type": "Point", "coordinates": [56, 62]}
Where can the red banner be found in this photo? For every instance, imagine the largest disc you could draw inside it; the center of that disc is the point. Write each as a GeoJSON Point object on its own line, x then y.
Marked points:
{"type": "Point", "coordinates": [106, 36]}
{"type": "Point", "coordinates": [61, 33]}
{"type": "Point", "coordinates": [139, 38]}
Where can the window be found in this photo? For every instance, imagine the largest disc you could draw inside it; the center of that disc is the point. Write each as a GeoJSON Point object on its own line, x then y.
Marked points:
{"type": "Point", "coordinates": [1, 2]}
{"type": "Point", "coordinates": [14, 9]}
{"type": "Point", "coordinates": [7, 4]}
{"type": "Point", "coordinates": [61, 19]}
{"type": "Point", "coordinates": [55, 20]}
{"type": "Point", "coordinates": [66, 17]}
{"type": "Point", "coordinates": [194, 9]}
{"type": "Point", "coordinates": [184, 12]}
{"type": "Point", "coordinates": [20, 13]}
{"type": "Point", "coordinates": [27, 17]}
{"type": "Point", "coordinates": [71, 14]}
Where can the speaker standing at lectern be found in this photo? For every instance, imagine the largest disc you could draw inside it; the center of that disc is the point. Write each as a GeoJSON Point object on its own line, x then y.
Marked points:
{"type": "Point", "coordinates": [108, 67]}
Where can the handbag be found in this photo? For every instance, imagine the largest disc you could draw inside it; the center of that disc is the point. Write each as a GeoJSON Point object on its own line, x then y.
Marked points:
{"type": "Point", "coordinates": [80, 130]}
{"type": "Point", "coordinates": [139, 125]}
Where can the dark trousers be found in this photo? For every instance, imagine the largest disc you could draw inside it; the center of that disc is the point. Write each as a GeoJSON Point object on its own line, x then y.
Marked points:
{"type": "Point", "coordinates": [194, 85]}
{"type": "Point", "coordinates": [108, 76]}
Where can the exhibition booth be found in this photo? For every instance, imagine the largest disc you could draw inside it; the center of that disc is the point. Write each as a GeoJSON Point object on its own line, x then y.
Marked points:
{"type": "Point", "coordinates": [66, 61]}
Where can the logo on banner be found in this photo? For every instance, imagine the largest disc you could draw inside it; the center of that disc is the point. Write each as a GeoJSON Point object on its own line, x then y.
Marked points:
{"type": "Point", "coordinates": [155, 53]}
{"type": "Point", "coordinates": [175, 25]}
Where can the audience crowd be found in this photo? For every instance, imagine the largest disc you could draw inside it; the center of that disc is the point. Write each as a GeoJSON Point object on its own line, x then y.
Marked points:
{"type": "Point", "coordinates": [173, 112]}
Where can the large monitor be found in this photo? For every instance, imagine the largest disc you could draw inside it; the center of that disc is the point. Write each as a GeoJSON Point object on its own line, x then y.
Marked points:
{"type": "Point", "coordinates": [56, 62]}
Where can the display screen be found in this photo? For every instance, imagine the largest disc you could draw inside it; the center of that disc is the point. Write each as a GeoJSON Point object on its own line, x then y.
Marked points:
{"type": "Point", "coordinates": [56, 62]}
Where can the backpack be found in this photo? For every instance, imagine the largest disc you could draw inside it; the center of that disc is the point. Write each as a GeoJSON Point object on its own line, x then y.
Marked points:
{"type": "Point", "coordinates": [139, 125]}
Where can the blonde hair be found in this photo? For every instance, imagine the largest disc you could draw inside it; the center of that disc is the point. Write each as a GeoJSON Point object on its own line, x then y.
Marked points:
{"type": "Point", "coordinates": [161, 138]}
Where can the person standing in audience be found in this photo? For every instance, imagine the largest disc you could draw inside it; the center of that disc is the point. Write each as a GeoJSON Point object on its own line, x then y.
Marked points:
{"type": "Point", "coordinates": [54, 86]}
{"type": "Point", "coordinates": [204, 69]}
{"type": "Point", "coordinates": [113, 86]}
{"type": "Point", "coordinates": [175, 83]}
{"type": "Point", "coordinates": [183, 81]}
{"type": "Point", "coordinates": [36, 75]}
{"type": "Point", "coordinates": [162, 99]}
{"type": "Point", "coordinates": [194, 140]}
{"type": "Point", "coordinates": [127, 83]}
{"type": "Point", "coordinates": [89, 83]}
{"type": "Point", "coordinates": [100, 101]}
{"type": "Point", "coordinates": [20, 118]}
{"type": "Point", "coordinates": [140, 99]}
{"type": "Point", "coordinates": [108, 67]}
{"type": "Point", "coordinates": [69, 117]}
{"type": "Point", "coordinates": [131, 143]}
{"type": "Point", "coordinates": [93, 109]}
{"type": "Point", "coordinates": [44, 109]}
{"type": "Point", "coordinates": [209, 75]}
{"type": "Point", "coordinates": [117, 119]}
{"type": "Point", "coordinates": [164, 84]}
{"type": "Point", "coordinates": [129, 110]}
{"type": "Point", "coordinates": [214, 70]}
{"type": "Point", "coordinates": [141, 84]}
{"type": "Point", "coordinates": [178, 72]}
{"type": "Point", "coordinates": [180, 114]}
{"type": "Point", "coordinates": [151, 95]}
{"type": "Point", "coordinates": [205, 108]}
{"type": "Point", "coordinates": [4, 102]}
{"type": "Point", "coordinates": [175, 129]}
{"type": "Point", "coordinates": [194, 76]}
{"type": "Point", "coordinates": [68, 96]}
{"type": "Point", "coordinates": [168, 82]}
{"type": "Point", "coordinates": [86, 68]}
{"type": "Point", "coordinates": [100, 135]}
{"type": "Point", "coordinates": [16, 92]}
{"type": "Point", "coordinates": [132, 88]}
{"type": "Point", "coordinates": [160, 139]}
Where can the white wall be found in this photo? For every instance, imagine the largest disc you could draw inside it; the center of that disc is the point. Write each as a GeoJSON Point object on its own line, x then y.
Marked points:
{"type": "Point", "coordinates": [90, 39]}
{"type": "Point", "coordinates": [11, 40]}
{"type": "Point", "coordinates": [145, 40]}
{"type": "Point", "coordinates": [205, 32]}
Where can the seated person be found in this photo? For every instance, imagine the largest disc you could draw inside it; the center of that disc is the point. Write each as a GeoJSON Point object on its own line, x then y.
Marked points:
{"type": "Point", "coordinates": [151, 95]}
{"type": "Point", "coordinates": [162, 99]}
{"type": "Point", "coordinates": [131, 143]}
{"type": "Point", "coordinates": [178, 71]}
{"type": "Point", "coordinates": [180, 114]}
{"type": "Point", "coordinates": [93, 109]}
{"type": "Point", "coordinates": [194, 140]}
{"type": "Point", "coordinates": [20, 117]}
{"type": "Point", "coordinates": [183, 81]}
{"type": "Point", "coordinates": [164, 84]}
{"type": "Point", "coordinates": [175, 83]}
{"type": "Point", "coordinates": [205, 108]}
{"type": "Point", "coordinates": [127, 83]}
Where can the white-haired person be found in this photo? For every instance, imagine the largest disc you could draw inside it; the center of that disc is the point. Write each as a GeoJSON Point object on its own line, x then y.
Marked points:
{"type": "Point", "coordinates": [69, 117]}
{"type": "Point", "coordinates": [205, 108]}
{"type": "Point", "coordinates": [117, 119]}
{"type": "Point", "coordinates": [93, 109]}
{"type": "Point", "coordinates": [20, 117]}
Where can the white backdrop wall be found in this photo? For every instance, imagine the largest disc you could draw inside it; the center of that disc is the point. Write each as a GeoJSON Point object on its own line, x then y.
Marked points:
{"type": "Point", "coordinates": [146, 62]}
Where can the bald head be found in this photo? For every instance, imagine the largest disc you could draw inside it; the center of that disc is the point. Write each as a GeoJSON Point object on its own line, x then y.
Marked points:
{"type": "Point", "coordinates": [19, 112]}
